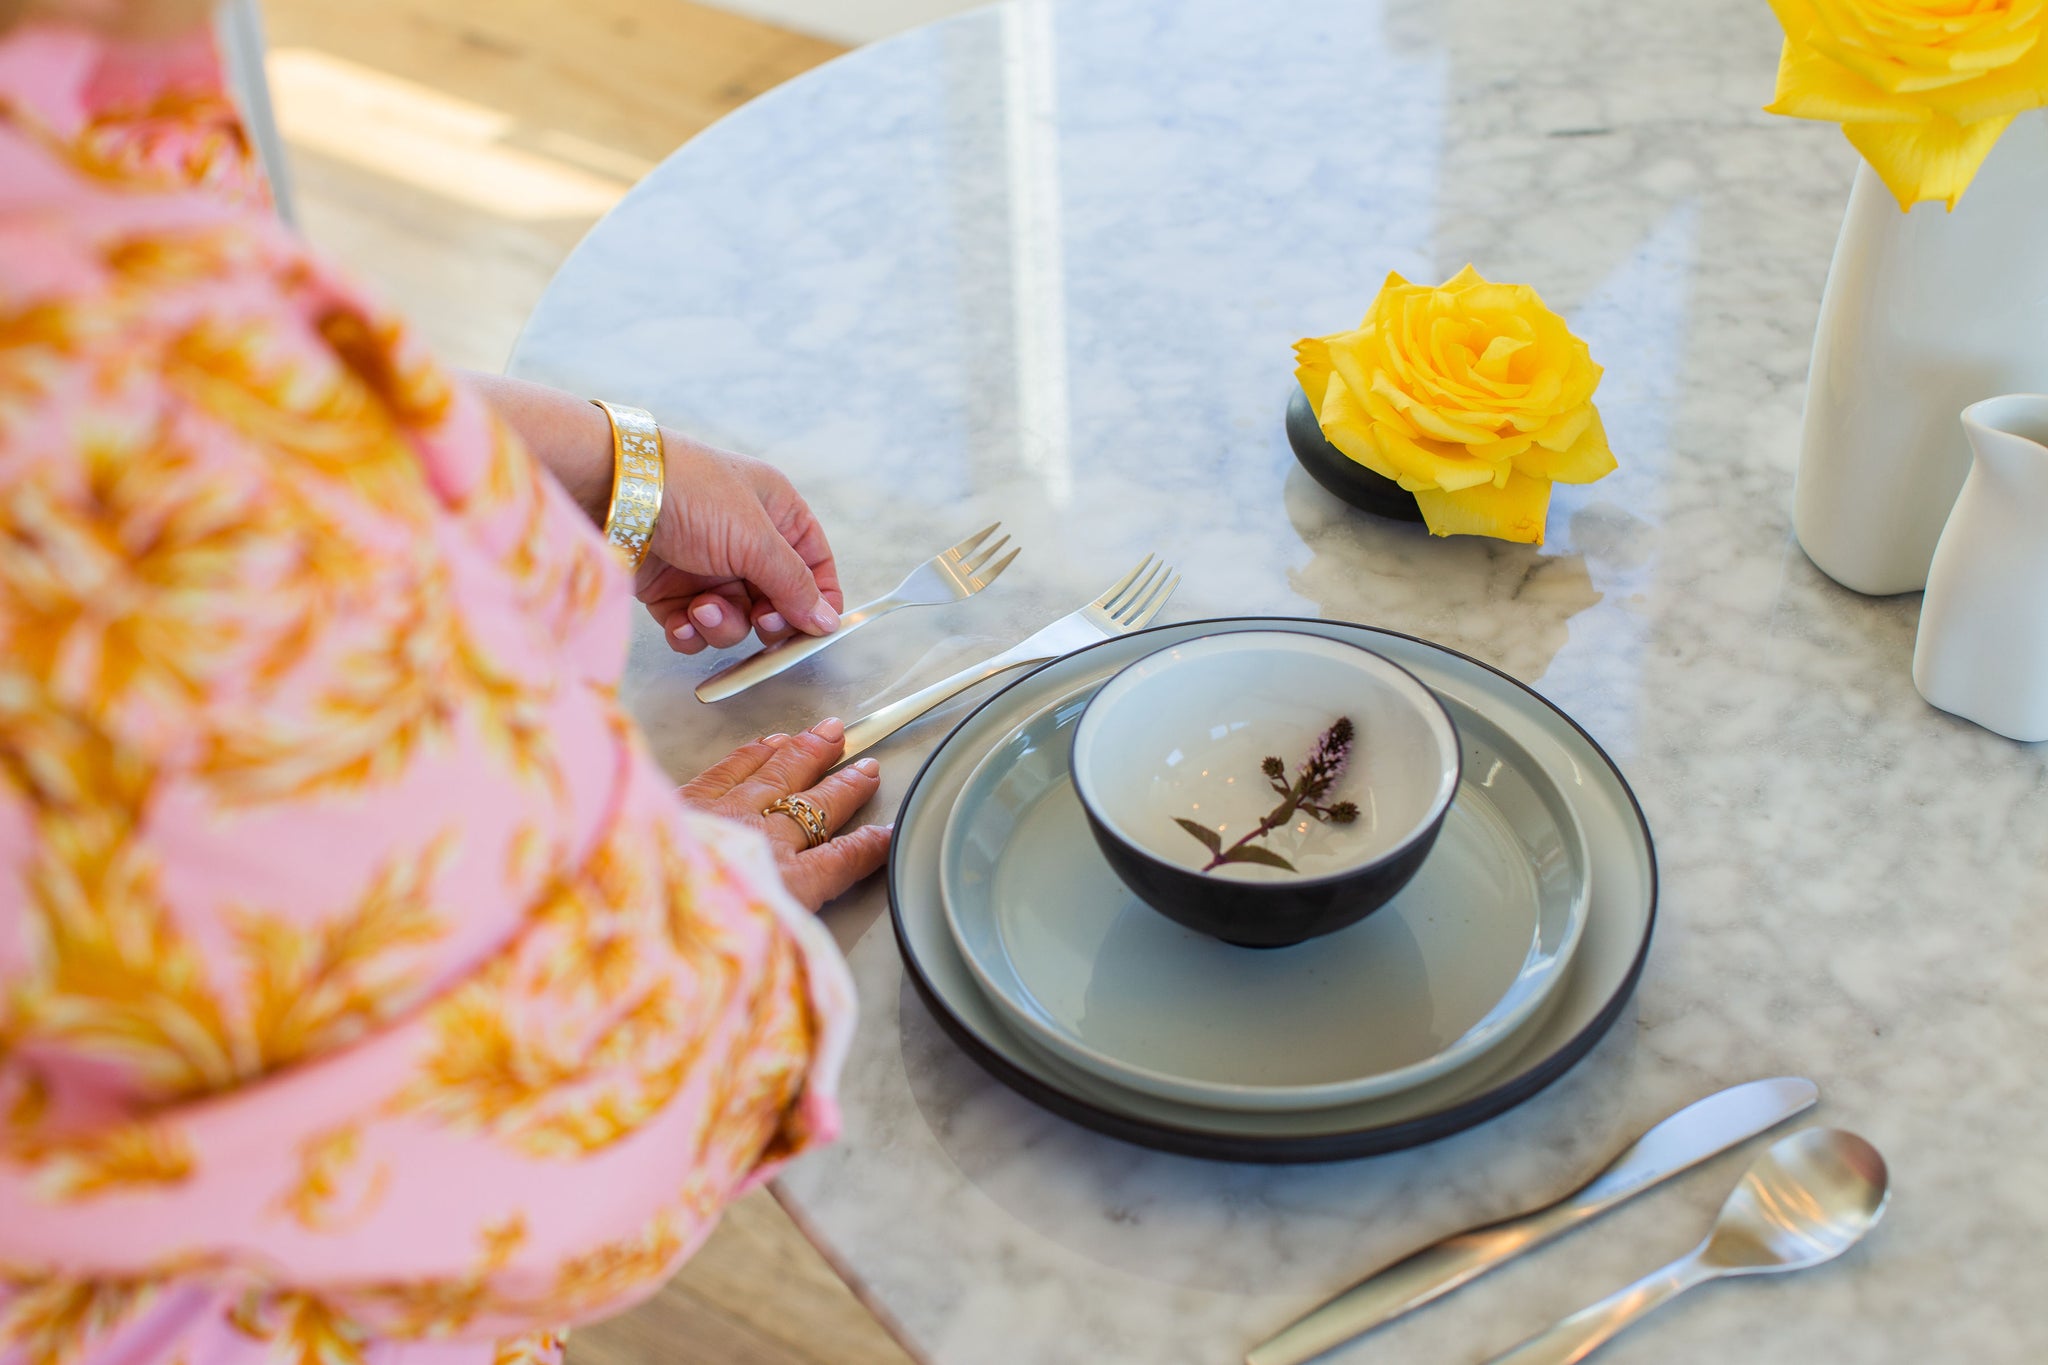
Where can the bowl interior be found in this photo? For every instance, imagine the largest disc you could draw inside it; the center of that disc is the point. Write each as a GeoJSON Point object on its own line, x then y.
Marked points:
{"type": "Point", "coordinates": [1183, 733]}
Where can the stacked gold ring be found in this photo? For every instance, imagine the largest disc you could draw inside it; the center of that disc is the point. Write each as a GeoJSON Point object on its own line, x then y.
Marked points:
{"type": "Point", "coordinates": [637, 480]}
{"type": "Point", "coordinates": [807, 816]}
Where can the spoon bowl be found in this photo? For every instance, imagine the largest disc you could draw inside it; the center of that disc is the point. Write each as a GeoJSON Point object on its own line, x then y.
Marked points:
{"type": "Point", "coordinates": [1807, 1200]}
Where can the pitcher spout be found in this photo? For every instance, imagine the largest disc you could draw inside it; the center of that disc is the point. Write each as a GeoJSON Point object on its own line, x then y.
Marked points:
{"type": "Point", "coordinates": [2009, 436]}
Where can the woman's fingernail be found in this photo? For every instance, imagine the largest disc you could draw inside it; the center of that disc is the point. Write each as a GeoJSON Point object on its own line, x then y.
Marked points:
{"type": "Point", "coordinates": [870, 767]}
{"type": "Point", "coordinates": [708, 615]}
{"type": "Point", "coordinates": [831, 728]}
{"type": "Point", "coordinates": [777, 738]}
{"type": "Point", "coordinates": [685, 632]}
{"type": "Point", "coordinates": [773, 622]}
{"type": "Point", "coordinates": [824, 618]}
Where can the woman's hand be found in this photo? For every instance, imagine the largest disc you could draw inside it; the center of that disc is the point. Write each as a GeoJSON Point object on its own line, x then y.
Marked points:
{"type": "Point", "coordinates": [735, 549]}
{"type": "Point", "coordinates": [746, 782]}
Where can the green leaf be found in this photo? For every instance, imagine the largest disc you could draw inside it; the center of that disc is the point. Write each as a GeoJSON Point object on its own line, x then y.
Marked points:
{"type": "Point", "coordinates": [1209, 837]}
{"type": "Point", "coordinates": [1264, 857]}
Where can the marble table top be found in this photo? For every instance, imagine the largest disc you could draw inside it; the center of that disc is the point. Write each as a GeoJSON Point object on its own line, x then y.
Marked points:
{"type": "Point", "coordinates": [1044, 262]}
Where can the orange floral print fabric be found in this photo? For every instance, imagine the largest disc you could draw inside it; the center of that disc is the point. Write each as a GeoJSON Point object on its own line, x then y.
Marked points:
{"type": "Point", "coordinates": [366, 995]}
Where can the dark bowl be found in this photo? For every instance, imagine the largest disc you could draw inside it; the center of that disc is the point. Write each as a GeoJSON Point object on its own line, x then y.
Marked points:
{"type": "Point", "coordinates": [1139, 756]}
{"type": "Point", "coordinates": [1341, 474]}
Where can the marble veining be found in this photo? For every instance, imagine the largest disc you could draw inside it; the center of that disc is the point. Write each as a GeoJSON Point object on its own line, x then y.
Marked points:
{"type": "Point", "coordinates": [1044, 262]}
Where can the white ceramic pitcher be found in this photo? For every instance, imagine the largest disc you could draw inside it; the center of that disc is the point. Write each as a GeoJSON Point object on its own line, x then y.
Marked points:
{"type": "Point", "coordinates": [1982, 650]}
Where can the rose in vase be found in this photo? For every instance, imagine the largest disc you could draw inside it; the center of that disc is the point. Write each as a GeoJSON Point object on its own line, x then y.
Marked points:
{"type": "Point", "coordinates": [1922, 88]}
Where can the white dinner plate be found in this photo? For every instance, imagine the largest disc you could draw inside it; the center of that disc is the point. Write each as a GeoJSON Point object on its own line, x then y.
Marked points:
{"type": "Point", "coordinates": [1450, 968]}
{"type": "Point", "coordinates": [1619, 922]}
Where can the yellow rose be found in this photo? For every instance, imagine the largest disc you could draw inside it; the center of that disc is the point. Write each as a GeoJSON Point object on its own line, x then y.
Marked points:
{"type": "Point", "coordinates": [1922, 88]}
{"type": "Point", "coordinates": [1473, 397]}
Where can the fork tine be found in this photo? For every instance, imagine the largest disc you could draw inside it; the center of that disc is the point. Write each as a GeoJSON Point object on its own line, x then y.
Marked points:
{"type": "Point", "coordinates": [1122, 583]}
{"type": "Point", "coordinates": [1149, 608]}
{"type": "Point", "coordinates": [981, 581]}
{"type": "Point", "coordinates": [985, 556]}
{"type": "Point", "coordinates": [967, 546]}
{"type": "Point", "coordinates": [1138, 590]}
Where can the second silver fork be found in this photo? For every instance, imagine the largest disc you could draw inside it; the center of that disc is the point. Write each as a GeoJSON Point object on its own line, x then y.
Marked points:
{"type": "Point", "coordinates": [957, 572]}
{"type": "Point", "coordinates": [1130, 604]}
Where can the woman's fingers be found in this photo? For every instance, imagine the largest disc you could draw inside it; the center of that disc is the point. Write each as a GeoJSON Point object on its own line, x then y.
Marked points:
{"type": "Point", "coordinates": [769, 558]}
{"type": "Point", "coordinates": [770, 624]}
{"type": "Point", "coordinates": [798, 763]}
{"type": "Point", "coordinates": [711, 785]}
{"type": "Point", "coordinates": [722, 619]}
{"type": "Point", "coordinates": [681, 635]}
{"type": "Point", "coordinates": [831, 869]}
{"type": "Point", "coordinates": [836, 795]}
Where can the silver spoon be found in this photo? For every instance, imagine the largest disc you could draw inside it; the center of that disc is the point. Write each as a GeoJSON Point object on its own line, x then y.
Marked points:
{"type": "Point", "coordinates": [1807, 1200]}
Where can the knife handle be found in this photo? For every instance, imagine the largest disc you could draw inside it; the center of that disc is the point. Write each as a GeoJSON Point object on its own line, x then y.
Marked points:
{"type": "Point", "coordinates": [786, 654]}
{"type": "Point", "coordinates": [876, 726]}
{"type": "Point", "coordinates": [1418, 1279]}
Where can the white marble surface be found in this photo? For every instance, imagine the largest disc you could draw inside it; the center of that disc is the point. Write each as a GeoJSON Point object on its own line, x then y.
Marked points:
{"type": "Point", "coordinates": [1044, 262]}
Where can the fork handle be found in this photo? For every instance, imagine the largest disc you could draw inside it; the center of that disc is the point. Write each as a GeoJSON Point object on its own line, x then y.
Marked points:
{"type": "Point", "coordinates": [877, 726]}
{"type": "Point", "coordinates": [786, 654]}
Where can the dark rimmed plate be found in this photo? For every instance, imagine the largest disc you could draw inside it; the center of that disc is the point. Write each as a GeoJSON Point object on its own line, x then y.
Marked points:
{"type": "Point", "coordinates": [1603, 974]}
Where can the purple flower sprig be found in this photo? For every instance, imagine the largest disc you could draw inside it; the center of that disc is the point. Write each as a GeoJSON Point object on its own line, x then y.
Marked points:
{"type": "Point", "coordinates": [1319, 772]}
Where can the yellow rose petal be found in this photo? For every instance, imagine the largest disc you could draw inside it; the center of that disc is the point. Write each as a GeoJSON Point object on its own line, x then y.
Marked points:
{"type": "Point", "coordinates": [1387, 414]}
{"type": "Point", "coordinates": [2008, 90]}
{"type": "Point", "coordinates": [1499, 353]}
{"type": "Point", "coordinates": [1433, 423]}
{"type": "Point", "coordinates": [1312, 368]}
{"type": "Point", "coordinates": [1797, 18]}
{"type": "Point", "coordinates": [1498, 452]}
{"type": "Point", "coordinates": [1900, 51]}
{"type": "Point", "coordinates": [1515, 512]}
{"type": "Point", "coordinates": [1813, 85]}
{"type": "Point", "coordinates": [1559, 433]}
{"type": "Point", "coordinates": [1425, 464]}
{"type": "Point", "coordinates": [1356, 358]}
{"type": "Point", "coordinates": [1390, 293]}
{"type": "Point", "coordinates": [1347, 426]}
{"type": "Point", "coordinates": [1929, 161]}
{"type": "Point", "coordinates": [1585, 460]}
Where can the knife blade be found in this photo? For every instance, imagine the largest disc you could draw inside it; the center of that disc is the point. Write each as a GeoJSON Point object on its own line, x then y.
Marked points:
{"type": "Point", "coordinates": [1703, 1129]}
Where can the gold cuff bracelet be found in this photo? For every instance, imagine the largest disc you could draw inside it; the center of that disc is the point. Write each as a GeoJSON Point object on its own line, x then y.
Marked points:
{"type": "Point", "coordinates": [636, 481]}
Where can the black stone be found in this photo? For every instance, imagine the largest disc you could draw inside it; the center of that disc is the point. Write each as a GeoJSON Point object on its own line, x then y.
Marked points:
{"type": "Point", "coordinates": [1338, 472]}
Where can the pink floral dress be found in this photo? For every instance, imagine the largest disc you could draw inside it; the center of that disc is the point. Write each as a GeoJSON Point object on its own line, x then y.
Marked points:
{"type": "Point", "coordinates": [366, 995]}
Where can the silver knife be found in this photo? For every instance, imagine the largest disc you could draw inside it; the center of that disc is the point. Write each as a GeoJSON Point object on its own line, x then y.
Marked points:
{"type": "Point", "coordinates": [1702, 1129]}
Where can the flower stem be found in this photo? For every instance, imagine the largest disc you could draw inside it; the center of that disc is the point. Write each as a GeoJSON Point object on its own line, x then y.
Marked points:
{"type": "Point", "coordinates": [1275, 818]}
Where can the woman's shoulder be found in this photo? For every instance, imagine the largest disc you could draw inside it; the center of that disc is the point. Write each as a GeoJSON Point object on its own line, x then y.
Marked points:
{"type": "Point", "coordinates": [79, 114]}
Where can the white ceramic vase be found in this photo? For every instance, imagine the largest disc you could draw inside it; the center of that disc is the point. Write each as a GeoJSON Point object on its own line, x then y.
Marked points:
{"type": "Point", "coordinates": [1982, 650]}
{"type": "Point", "coordinates": [1924, 313]}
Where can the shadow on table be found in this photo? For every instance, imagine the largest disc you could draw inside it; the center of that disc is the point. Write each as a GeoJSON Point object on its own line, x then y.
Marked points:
{"type": "Point", "coordinates": [1250, 1229]}
{"type": "Point", "coordinates": [1504, 604]}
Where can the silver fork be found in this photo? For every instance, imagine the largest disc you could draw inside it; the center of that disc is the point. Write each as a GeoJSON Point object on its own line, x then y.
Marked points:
{"type": "Point", "coordinates": [948, 576]}
{"type": "Point", "coordinates": [1129, 605]}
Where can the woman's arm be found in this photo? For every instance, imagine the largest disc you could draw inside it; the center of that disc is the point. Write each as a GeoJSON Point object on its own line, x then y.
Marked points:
{"type": "Point", "coordinates": [736, 547]}
{"type": "Point", "coordinates": [569, 435]}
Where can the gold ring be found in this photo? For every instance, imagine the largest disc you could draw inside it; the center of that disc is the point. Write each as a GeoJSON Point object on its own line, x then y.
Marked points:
{"type": "Point", "coordinates": [807, 816]}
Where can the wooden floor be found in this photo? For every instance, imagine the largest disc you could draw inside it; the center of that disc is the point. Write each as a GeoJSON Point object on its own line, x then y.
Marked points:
{"type": "Point", "coordinates": [450, 152]}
